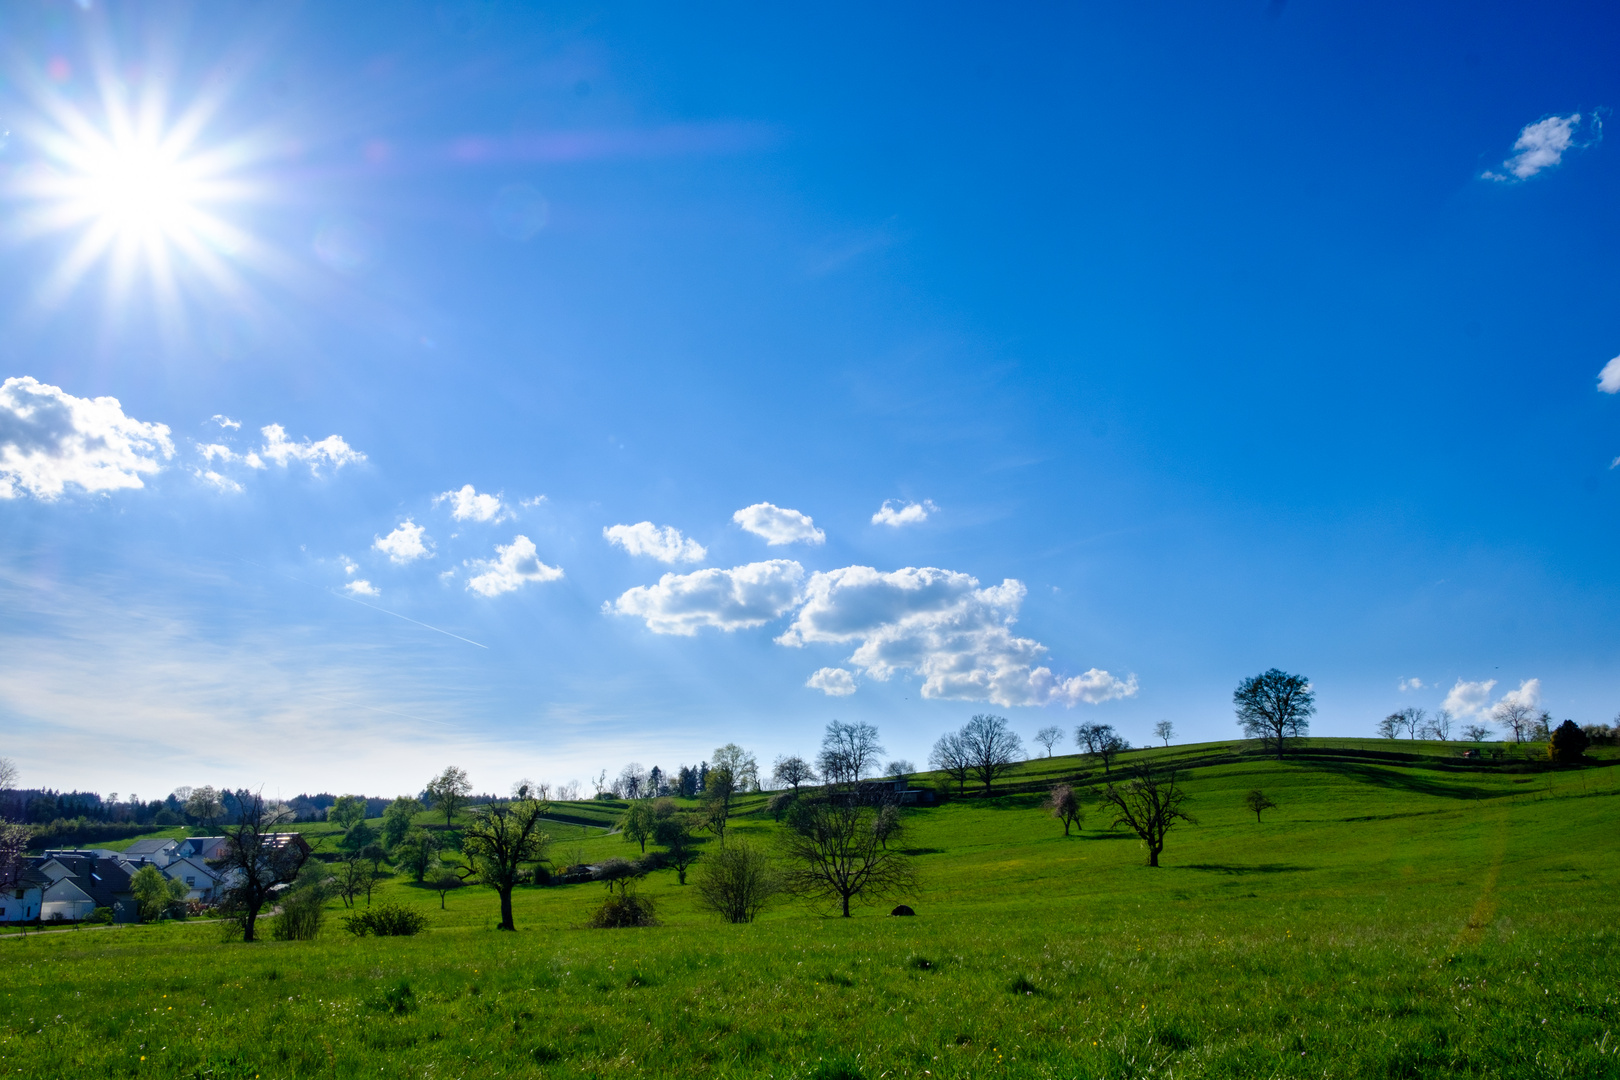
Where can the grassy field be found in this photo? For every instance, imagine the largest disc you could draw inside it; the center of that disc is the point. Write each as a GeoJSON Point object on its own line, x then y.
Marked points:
{"type": "Point", "coordinates": [1389, 919]}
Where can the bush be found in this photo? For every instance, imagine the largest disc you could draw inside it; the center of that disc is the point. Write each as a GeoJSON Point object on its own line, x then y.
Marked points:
{"type": "Point", "coordinates": [1568, 742]}
{"type": "Point", "coordinates": [101, 915]}
{"type": "Point", "coordinates": [303, 912]}
{"type": "Point", "coordinates": [620, 911]}
{"type": "Point", "coordinates": [737, 881]}
{"type": "Point", "coordinates": [385, 920]}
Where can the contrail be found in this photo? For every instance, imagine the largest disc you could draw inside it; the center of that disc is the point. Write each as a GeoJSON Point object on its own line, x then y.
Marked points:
{"type": "Point", "coordinates": [373, 708]}
{"type": "Point", "coordinates": [407, 618]}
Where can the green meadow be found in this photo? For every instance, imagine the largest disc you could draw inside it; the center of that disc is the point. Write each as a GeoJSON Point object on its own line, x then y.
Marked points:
{"type": "Point", "coordinates": [1397, 915]}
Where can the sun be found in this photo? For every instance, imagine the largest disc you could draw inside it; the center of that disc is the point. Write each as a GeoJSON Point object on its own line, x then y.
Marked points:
{"type": "Point", "coordinates": [140, 192]}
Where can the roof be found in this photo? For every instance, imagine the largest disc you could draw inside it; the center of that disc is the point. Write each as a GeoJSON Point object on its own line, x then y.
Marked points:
{"type": "Point", "coordinates": [149, 847]}
{"type": "Point", "coordinates": [105, 880]}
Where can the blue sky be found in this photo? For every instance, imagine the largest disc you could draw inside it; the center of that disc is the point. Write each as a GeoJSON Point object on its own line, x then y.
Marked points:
{"type": "Point", "coordinates": [1180, 342]}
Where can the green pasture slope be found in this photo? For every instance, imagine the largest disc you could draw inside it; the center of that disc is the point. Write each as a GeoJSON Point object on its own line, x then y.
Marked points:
{"type": "Point", "coordinates": [1391, 918]}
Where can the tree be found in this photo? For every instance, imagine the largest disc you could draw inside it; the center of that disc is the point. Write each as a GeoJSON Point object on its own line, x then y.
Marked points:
{"type": "Point", "coordinates": [417, 853]}
{"type": "Point", "coordinates": [950, 757]}
{"type": "Point", "coordinates": [848, 752]}
{"type": "Point", "coordinates": [1109, 746]}
{"type": "Point", "coordinates": [154, 893]}
{"type": "Point", "coordinates": [1409, 722]}
{"type": "Point", "coordinates": [444, 878]}
{"type": "Point", "coordinates": [887, 825]}
{"type": "Point", "coordinates": [204, 804]}
{"type": "Point", "coordinates": [397, 818]}
{"type": "Point", "coordinates": [1088, 735]}
{"type": "Point", "coordinates": [632, 780]}
{"type": "Point", "coordinates": [738, 882]}
{"type": "Point", "coordinates": [619, 874]}
{"type": "Point", "coordinates": [257, 858]}
{"type": "Point", "coordinates": [835, 854]}
{"type": "Point", "coordinates": [1049, 737]}
{"type": "Point", "coordinates": [637, 824]}
{"type": "Point", "coordinates": [354, 876]}
{"type": "Point", "coordinates": [675, 834]}
{"type": "Point", "coordinates": [1476, 732]}
{"type": "Point", "coordinates": [1064, 805]}
{"type": "Point", "coordinates": [1514, 716]}
{"type": "Point", "coordinates": [449, 791]}
{"type": "Point", "coordinates": [1257, 801]}
{"type": "Point", "coordinates": [992, 747]}
{"type": "Point", "coordinates": [13, 854]}
{"type": "Point", "coordinates": [1274, 707]}
{"type": "Point", "coordinates": [348, 811]}
{"type": "Point", "coordinates": [717, 792]}
{"type": "Point", "coordinates": [500, 841]}
{"type": "Point", "coordinates": [1149, 804]}
{"type": "Point", "coordinates": [8, 774]}
{"type": "Point", "coordinates": [899, 769]}
{"type": "Point", "coordinates": [792, 770]}
{"type": "Point", "coordinates": [1439, 725]}
{"type": "Point", "coordinates": [1541, 727]}
{"type": "Point", "coordinates": [1390, 726]}
{"type": "Point", "coordinates": [1567, 742]}
{"type": "Point", "coordinates": [742, 766]}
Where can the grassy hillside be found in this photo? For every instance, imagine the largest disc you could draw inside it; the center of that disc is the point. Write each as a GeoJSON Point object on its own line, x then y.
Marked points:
{"type": "Point", "coordinates": [1390, 918]}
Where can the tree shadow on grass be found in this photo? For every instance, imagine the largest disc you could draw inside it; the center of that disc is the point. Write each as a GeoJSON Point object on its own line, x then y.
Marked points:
{"type": "Point", "coordinates": [1258, 868]}
{"type": "Point", "coordinates": [1383, 776]}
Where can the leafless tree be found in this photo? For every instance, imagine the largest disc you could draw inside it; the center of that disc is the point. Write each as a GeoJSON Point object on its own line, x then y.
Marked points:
{"type": "Point", "coordinates": [1409, 722]}
{"type": "Point", "coordinates": [835, 854]}
{"type": "Point", "coordinates": [848, 752]}
{"type": "Point", "coordinates": [899, 769]}
{"type": "Point", "coordinates": [257, 858]}
{"type": "Point", "coordinates": [950, 757]}
{"type": "Point", "coordinates": [1064, 805]}
{"type": "Point", "coordinates": [1049, 737]}
{"type": "Point", "coordinates": [992, 747]}
{"type": "Point", "coordinates": [8, 775]}
{"type": "Point", "coordinates": [1087, 735]}
{"type": "Point", "coordinates": [1149, 804]}
{"type": "Point", "coordinates": [1515, 717]}
{"type": "Point", "coordinates": [1274, 707]}
{"type": "Point", "coordinates": [632, 780]}
{"type": "Point", "coordinates": [1109, 746]}
{"type": "Point", "coordinates": [501, 841]}
{"type": "Point", "coordinates": [1165, 730]}
{"type": "Point", "coordinates": [738, 882]}
{"type": "Point", "coordinates": [449, 791]}
{"type": "Point", "coordinates": [1439, 725]}
{"type": "Point", "coordinates": [1476, 732]}
{"type": "Point", "coordinates": [793, 771]}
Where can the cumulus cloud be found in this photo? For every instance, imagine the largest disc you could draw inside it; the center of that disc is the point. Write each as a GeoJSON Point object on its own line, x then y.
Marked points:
{"type": "Point", "coordinates": [405, 544]}
{"type": "Point", "coordinates": [779, 525]}
{"type": "Point", "coordinates": [1528, 694]}
{"type": "Point", "coordinates": [735, 599]}
{"type": "Point", "coordinates": [1469, 698]}
{"type": "Point", "coordinates": [50, 439]}
{"type": "Point", "coordinates": [516, 564]}
{"type": "Point", "coordinates": [331, 450]}
{"type": "Point", "coordinates": [226, 422]}
{"type": "Point", "coordinates": [1609, 377]}
{"type": "Point", "coordinates": [468, 505]}
{"type": "Point", "coordinates": [942, 626]}
{"type": "Point", "coordinates": [832, 681]}
{"type": "Point", "coordinates": [217, 480]}
{"type": "Point", "coordinates": [1542, 144]}
{"type": "Point", "coordinates": [895, 513]}
{"type": "Point", "coordinates": [1411, 684]}
{"type": "Point", "coordinates": [361, 587]}
{"type": "Point", "coordinates": [664, 544]}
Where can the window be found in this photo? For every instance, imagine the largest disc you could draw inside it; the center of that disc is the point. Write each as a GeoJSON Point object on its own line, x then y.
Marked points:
{"type": "Point", "coordinates": [191, 881]}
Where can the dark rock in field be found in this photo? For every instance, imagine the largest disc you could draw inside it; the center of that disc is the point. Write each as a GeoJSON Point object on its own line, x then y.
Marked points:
{"type": "Point", "coordinates": [902, 910]}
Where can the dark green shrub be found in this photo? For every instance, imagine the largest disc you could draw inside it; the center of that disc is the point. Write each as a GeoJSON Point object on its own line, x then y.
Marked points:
{"type": "Point", "coordinates": [101, 915]}
{"type": "Point", "coordinates": [302, 914]}
{"type": "Point", "coordinates": [620, 911]}
{"type": "Point", "coordinates": [1568, 742]}
{"type": "Point", "coordinates": [385, 920]}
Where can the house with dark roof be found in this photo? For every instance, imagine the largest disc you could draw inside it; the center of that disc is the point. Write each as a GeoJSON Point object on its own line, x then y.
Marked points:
{"type": "Point", "coordinates": [63, 900]}
{"type": "Point", "coordinates": [105, 881]}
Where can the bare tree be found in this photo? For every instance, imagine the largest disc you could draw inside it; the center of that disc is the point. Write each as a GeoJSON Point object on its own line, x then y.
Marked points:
{"type": "Point", "coordinates": [950, 757]}
{"type": "Point", "coordinates": [1165, 730]}
{"type": "Point", "coordinates": [257, 858]}
{"type": "Point", "coordinates": [1049, 737]}
{"type": "Point", "coordinates": [1087, 735]}
{"type": "Point", "coordinates": [1409, 722]}
{"type": "Point", "coordinates": [1258, 801]}
{"type": "Point", "coordinates": [632, 780]}
{"type": "Point", "coordinates": [848, 752]}
{"type": "Point", "coordinates": [899, 769]}
{"type": "Point", "coordinates": [1110, 745]}
{"type": "Point", "coordinates": [1476, 732]}
{"type": "Point", "coordinates": [8, 775]}
{"type": "Point", "coordinates": [1514, 716]}
{"type": "Point", "coordinates": [793, 771]}
{"type": "Point", "coordinates": [836, 856]}
{"type": "Point", "coordinates": [500, 841]}
{"type": "Point", "coordinates": [1149, 804]}
{"type": "Point", "coordinates": [992, 747]}
{"type": "Point", "coordinates": [449, 791]}
{"type": "Point", "coordinates": [1439, 725]}
{"type": "Point", "coordinates": [1064, 805]}
{"type": "Point", "coordinates": [738, 882]}
{"type": "Point", "coordinates": [1274, 707]}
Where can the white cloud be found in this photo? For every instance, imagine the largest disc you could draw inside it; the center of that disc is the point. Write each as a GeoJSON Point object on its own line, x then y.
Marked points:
{"type": "Point", "coordinates": [405, 544]}
{"type": "Point", "coordinates": [832, 681]}
{"type": "Point", "coordinates": [734, 599]}
{"type": "Point", "coordinates": [210, 451]}
{"type": "Point", "coordinates": [50, 439]}
{"type": "Point", "coordinates": [1469, 698]}
{"type": "Point", "coordinates": [361, 587]}
{"type": "Point", "coordinates": [1528, 694]}
{"type": "Point", "coordinates": [281, 450]}
{"type": "Point", "coordinates": [778, 525]}
{"type": "Point", "coordinates": [218, 480]}
{"type": "Point", "coordinates": [226, 422]}
{"type": "Point", "coordinates": [468, 505]}
{"type": "Point", "coordinates": [940, 625]}
{"type": "Point", "coordinates": [348, 565]}
{"type": "Point", "coordinates": [1411, 684]}
{"type": "Point", "coordinates": [1609, 377]}
{"type": "Point", "coordinates": [518, 564]}
{"type": "Point", "coordinates": [664, 544]}
{"type": "Point", "coordinates": [536, 501]}
{"type": "Point", "coordinates": [896, 514]}
{"type": "Point", "coordinates": [1541, 145]}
